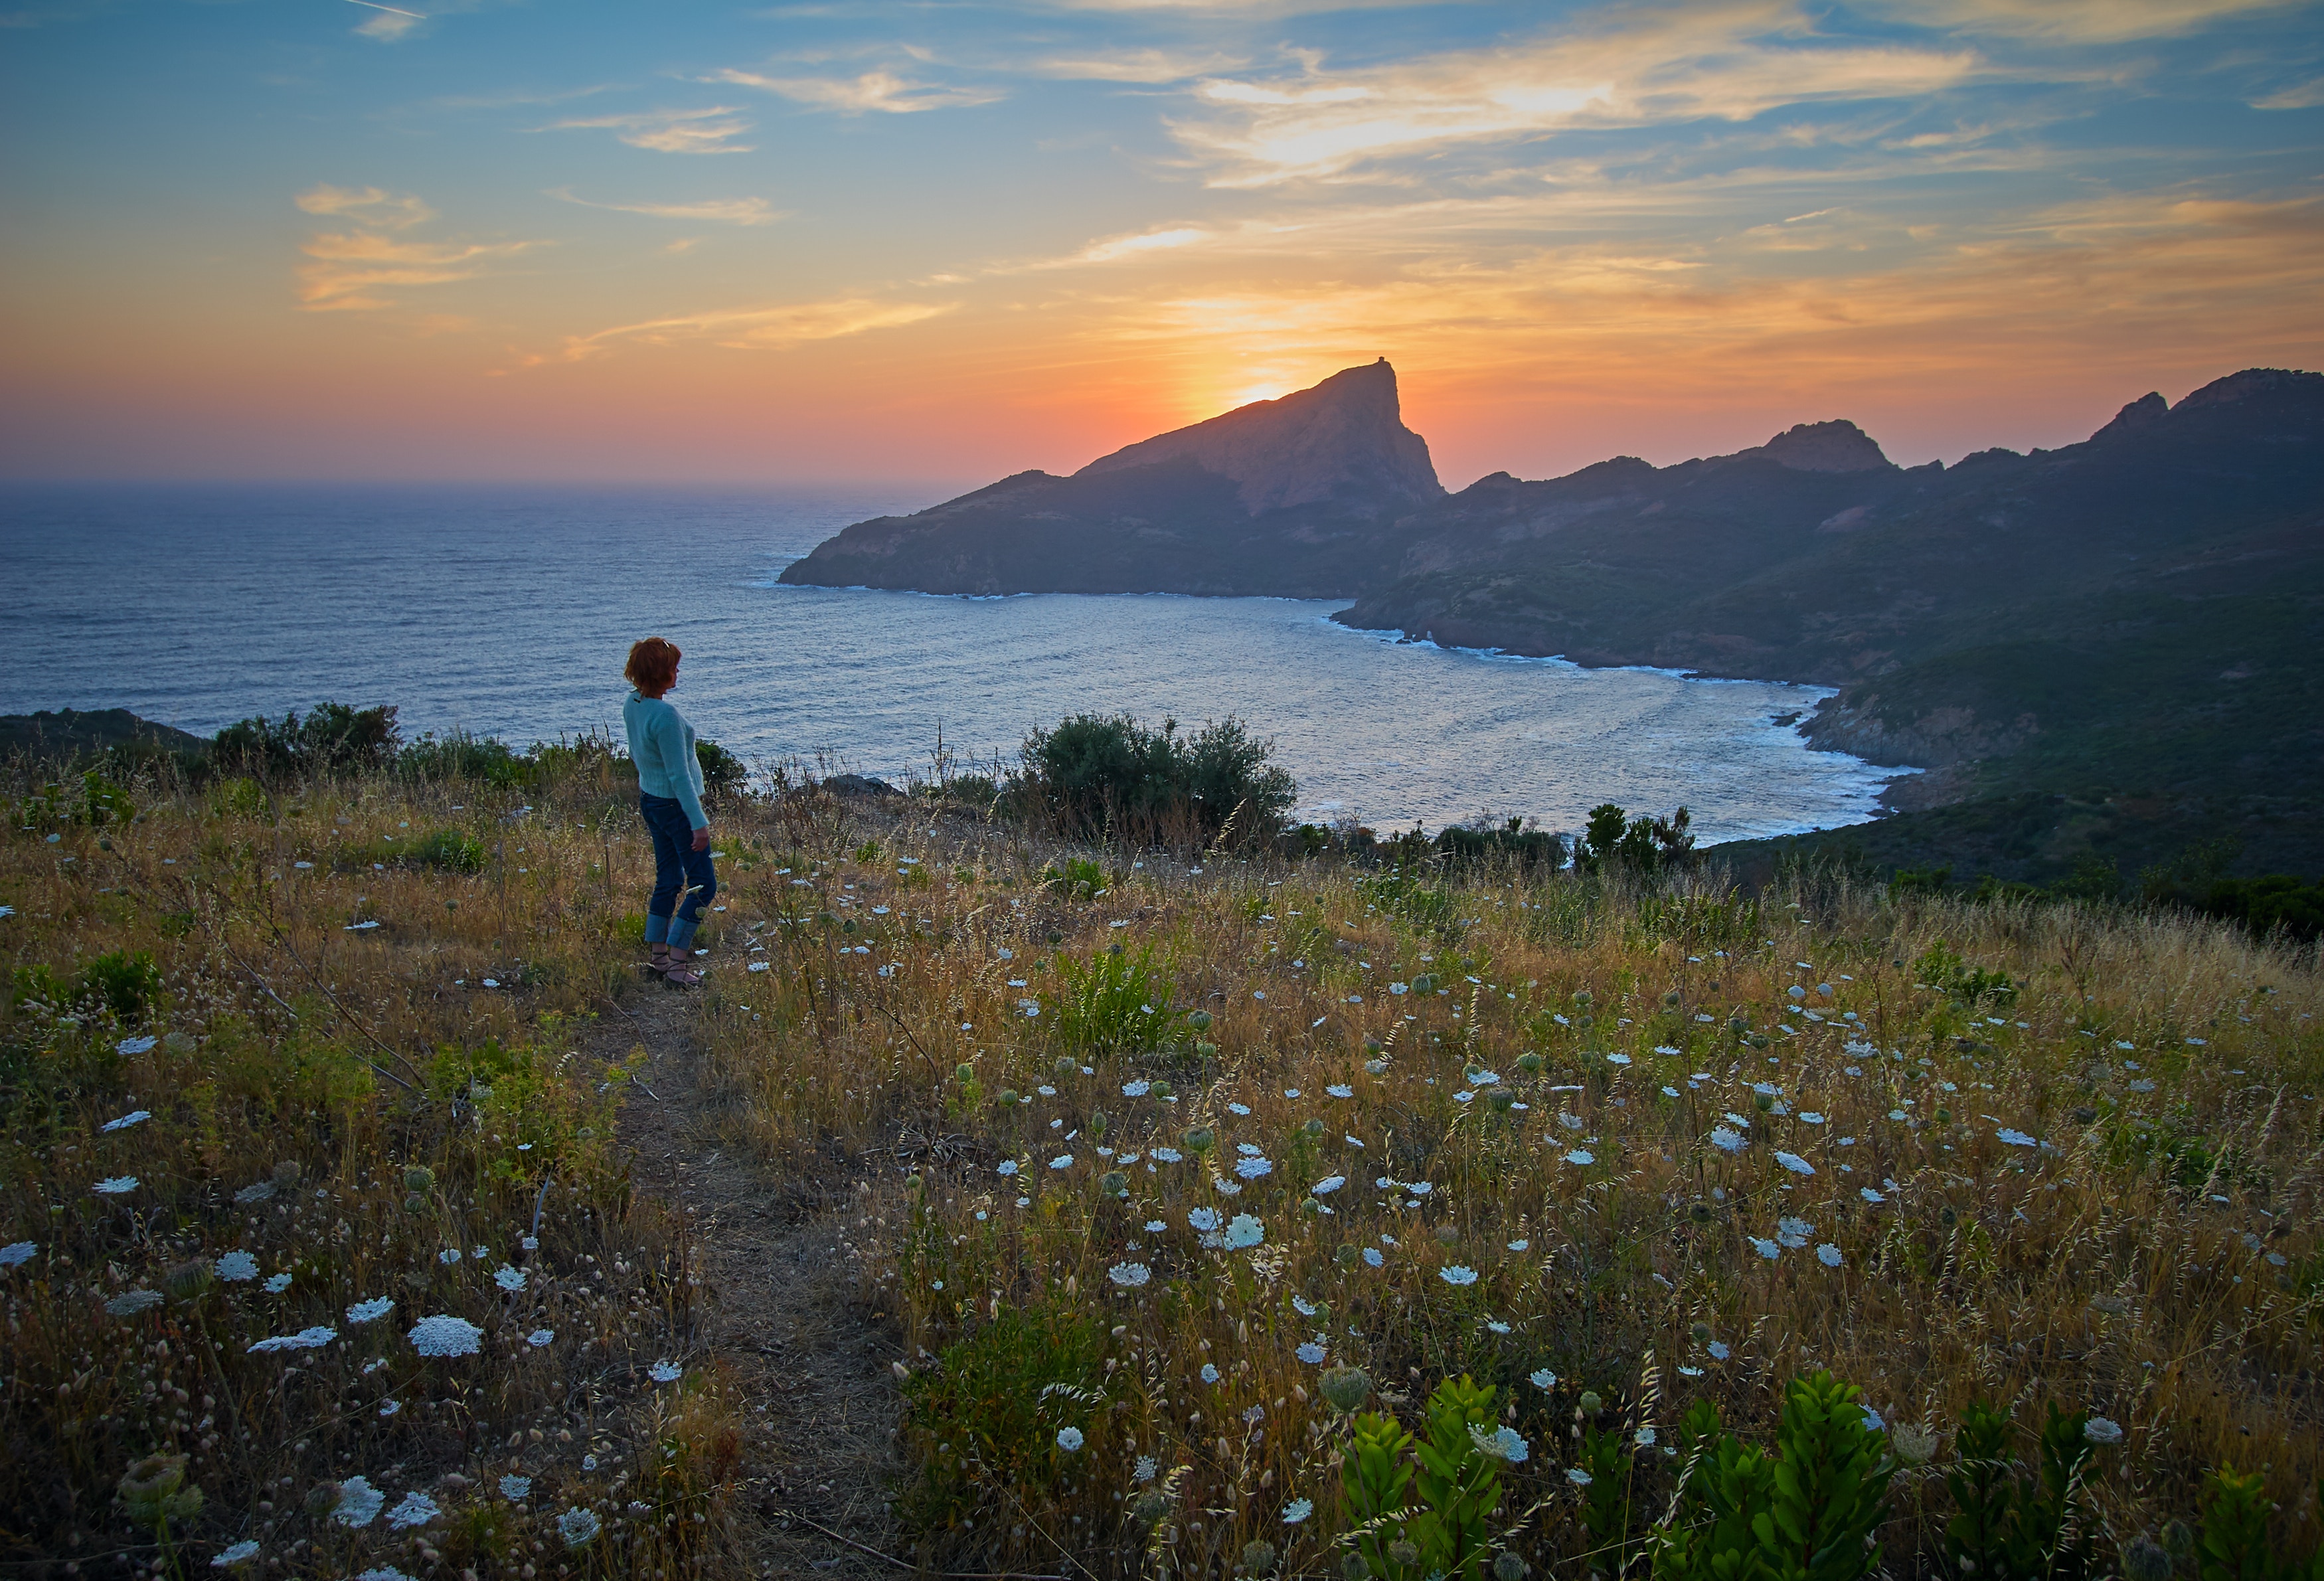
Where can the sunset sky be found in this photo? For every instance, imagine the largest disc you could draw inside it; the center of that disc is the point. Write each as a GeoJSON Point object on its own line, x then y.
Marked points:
{"type": "Point", "coordinates": [945, 241]}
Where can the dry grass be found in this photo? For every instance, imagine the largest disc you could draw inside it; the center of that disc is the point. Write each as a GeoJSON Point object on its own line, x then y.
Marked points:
{"type": "Point", "coordinates": [2153, 1257]}
{"type": "Point", "coordinates": [346, 1106]}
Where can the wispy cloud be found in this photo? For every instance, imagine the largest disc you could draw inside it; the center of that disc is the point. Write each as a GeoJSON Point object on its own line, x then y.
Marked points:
{"type": "Point", "coordinates": [730, 211]}
{"type": "Point", "coordinates": [880, 91]}
{"type": "Point", "coordinates": [349, 270]}
{"type": "Point", "coordinates": [2302, 96]}
{"type": "Point", "coordinates": [355, 270]}
{"type": "Point", "coordinates": [2077, 22]}
{"type": "Point", "coordinates": [373, 206]}
{"type": "Point", "coordinates": [1142, 66]}
{"type": "Point", "coordinates": [1726, 62]}
{"type": "Point", "coordinates": [388, 23]}
{"type": "Point", "coordinates": [755, 329]}
{"type": "Point", "coordinates": [1133, 247]}
{"type": "Point", "coordinates": [705, 131]}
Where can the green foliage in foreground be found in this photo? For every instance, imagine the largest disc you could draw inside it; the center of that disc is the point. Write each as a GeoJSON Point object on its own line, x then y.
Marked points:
{"type": "Point", "coordinates": [1096, 774]}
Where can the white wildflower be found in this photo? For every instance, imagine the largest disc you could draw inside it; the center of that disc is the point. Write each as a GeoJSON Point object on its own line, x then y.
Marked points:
{"type": "Point", "coordinates": [359, 1504]}
{"type": "Point", "coordinates": [446, 1335]}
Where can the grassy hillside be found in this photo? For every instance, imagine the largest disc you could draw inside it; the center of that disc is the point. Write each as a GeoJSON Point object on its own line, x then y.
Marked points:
{"type": "Point", "coordinates": [1150, 1157]}
{"type": "Point", "coordinates": [316, 1237]}
{"type": "Point", "coordinates": [1168, 1145]}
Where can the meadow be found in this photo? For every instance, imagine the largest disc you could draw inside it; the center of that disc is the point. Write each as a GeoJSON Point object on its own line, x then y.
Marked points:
{"type": "Point", "coordinates": [1228, 1211]}
{"type": "Point", "coordinates": [317, 1255]}
{"type": "Point", "coordinates": [1200, 1170]}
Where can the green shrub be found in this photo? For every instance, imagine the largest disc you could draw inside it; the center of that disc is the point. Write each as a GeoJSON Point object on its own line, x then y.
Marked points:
{"type": "Point", "coordinates": [1613, 838]}
{"type": "Point", "coordinates": [723, 775]}
{"type": "Point", "coordinates": [95, 801]}
{"type": "Point", "coordinates": [1454, 1476]}
{"type": "Point", "coordinates": [126, 985]}
{"type": "Point", "coordinates": [465, 759]}
{"type": "Point", "coordinates": [1077, 879]}
{"type": "Point", "coordinates": [333, 738]}
{"type": "Point", "coordinates": [1946, 972]}
{"type": "Point", "coordinates": [1801, 1513]}
{"type": "Point", "coordinates": [1468, 845]}
{"type": "Point", "coordinates": [2017, 1524]}
{"type": "Point", "coordinates": [1096, 776]}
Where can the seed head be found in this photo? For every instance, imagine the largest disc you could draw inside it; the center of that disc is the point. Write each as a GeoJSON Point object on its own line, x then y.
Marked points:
{"type": "Point", "coordinates": [1345, 1389]}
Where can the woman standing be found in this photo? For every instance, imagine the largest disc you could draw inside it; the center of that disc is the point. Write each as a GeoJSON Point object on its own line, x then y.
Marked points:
{"type": "Point", "coordinates": [669, 795]}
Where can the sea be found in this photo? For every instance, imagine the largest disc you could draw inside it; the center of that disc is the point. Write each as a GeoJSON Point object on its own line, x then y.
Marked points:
{"type": "Point", "coordinates": [508, 612]}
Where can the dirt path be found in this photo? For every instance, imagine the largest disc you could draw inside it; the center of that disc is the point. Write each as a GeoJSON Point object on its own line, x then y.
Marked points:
{"type": "Point", "coordinates": [777, 1306]}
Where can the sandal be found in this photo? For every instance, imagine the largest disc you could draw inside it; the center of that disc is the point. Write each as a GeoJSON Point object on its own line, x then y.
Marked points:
{"type": "Point", "coordinates": [681, 976]}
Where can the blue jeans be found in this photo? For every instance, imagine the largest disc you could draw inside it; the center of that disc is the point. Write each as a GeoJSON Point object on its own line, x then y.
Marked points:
{"type": "Point", "coordinates": [677, 865]}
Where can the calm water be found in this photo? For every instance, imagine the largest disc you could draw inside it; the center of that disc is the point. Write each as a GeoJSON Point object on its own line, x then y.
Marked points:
{"type": "Point", "coordinates": [508, 613]}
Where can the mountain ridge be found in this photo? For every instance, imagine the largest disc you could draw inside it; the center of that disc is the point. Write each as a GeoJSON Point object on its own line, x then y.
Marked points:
{"type": "Point", "coordinates": [2139, 609]}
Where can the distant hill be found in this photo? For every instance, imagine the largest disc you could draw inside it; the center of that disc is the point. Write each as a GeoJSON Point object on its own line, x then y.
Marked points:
{"type": "Point", "coordinates": [1299, 497]}
{"type": "Point", "coordinates": [2131, 622]}
{"type": "Point", "coordinates": [88, 733]}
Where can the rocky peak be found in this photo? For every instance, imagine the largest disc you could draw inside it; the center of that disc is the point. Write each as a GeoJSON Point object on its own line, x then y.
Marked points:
{"type": "Point", "coordinates": [1343, 437]}
{"type": "Point", "coordinates": [2254, 382]}
{"type": "Point", "coordinates": [2139, 415]}
{"type": "Point", "coordinates": [1838, 446]}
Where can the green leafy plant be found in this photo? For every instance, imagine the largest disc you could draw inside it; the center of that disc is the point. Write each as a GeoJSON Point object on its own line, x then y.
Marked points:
{"type": "Point", "coordinates": [2233, 1545]}
{"type": "Point", "coordinates": [1459, 1482]}
{"type": "Point", "coordinates": [1376, 1476]}
{"type": "Point", "coordinates": [1077, 878]}
{"type": "Point", "coordinates": [1724, 1486]}
{"type": "Point", "coordinates": [2014, 1523]}
{"type": "Point", "coordinates": [1112, 1001]}
{"type": "Point", "coordinates": [1830, 1485]}
{"type": "Point", "coordinates": [1941, 969]}
{"type": "Point", "coordinates": [984, 1417]}
{"type": "Point", "coordinates": [1601, 1455]}
{"type": "Point", "coordinates": [1805, 1513]}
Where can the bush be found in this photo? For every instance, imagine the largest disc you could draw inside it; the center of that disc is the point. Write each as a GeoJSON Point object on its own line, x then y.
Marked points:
{"type": "Point", "coordinates": [460, 756]}
{"type": "Point", "coordinates": [724, 777]}
{"type": "Point", "coordinates": [333, 738]}
{"type": "Point", "coordinates": [1095, 775]}
{"type": "Point", "coordinates": [1468, 844]}
{"type": "Point", "coordinates": [1614, 838]}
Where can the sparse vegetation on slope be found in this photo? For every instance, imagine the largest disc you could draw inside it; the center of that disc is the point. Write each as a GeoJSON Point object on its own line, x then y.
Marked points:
{"type": "Point", "coordinates": [1171, 1155]}
{"type": "Point", "coordinates": [316, 1255]}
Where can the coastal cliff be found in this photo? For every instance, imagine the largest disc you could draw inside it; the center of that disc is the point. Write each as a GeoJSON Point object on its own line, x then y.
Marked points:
{"type": "Point", "coordinates": [2142, 610]}
{"type": "Point", "coordinates": [1305, 496]}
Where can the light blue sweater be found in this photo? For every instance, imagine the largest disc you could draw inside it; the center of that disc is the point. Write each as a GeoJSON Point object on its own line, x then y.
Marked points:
{"type": "Point", "coordinates": [661, 743]}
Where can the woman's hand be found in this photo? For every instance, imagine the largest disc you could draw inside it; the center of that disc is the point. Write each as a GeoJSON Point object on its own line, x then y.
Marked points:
{"type": "Point", "coordinates": [701, 838]}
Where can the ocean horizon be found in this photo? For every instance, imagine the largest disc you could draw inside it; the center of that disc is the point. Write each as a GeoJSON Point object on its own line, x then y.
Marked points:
{"type": "Point", "coordinates": [507, 611]}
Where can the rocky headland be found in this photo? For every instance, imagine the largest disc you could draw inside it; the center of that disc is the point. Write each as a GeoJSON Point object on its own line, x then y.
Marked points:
{"type": "Point", "coordinates": [2135, 616]}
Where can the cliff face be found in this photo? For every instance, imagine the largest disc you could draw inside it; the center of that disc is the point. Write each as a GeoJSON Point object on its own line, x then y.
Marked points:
{"type": "Point", "coordinates": [1344, 437]}
{"type": "Point", "coordinates": [1301, 496]}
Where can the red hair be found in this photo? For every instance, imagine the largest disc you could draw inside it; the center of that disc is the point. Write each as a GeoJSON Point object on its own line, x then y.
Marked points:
{"type": "Point", "coordinates": [652, 666]}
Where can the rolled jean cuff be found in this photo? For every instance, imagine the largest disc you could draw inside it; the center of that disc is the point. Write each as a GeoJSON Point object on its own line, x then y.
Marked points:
{"type": "Point", "coordinates": [657, 928]}
{"type": "Point", "coordinates": [681, 932]}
